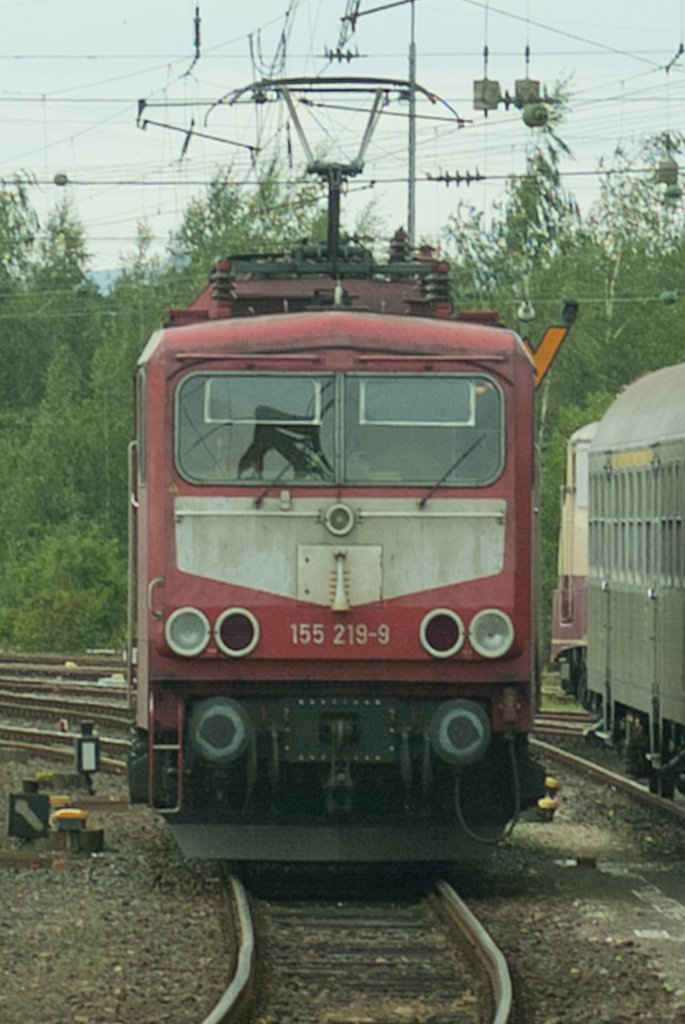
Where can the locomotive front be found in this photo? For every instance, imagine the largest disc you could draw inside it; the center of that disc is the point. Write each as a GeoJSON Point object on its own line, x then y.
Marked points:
{"type": "Point", "coordinates": [333, 515]}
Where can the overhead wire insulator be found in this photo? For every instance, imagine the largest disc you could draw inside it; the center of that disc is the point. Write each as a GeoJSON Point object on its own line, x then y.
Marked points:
{"type": "Point", "coordinates": [197, 24]}
{"type": "Point", "coordinates": [436, 284]}
{"type": "Point", "coordinates": [526, 90]}
{"type": "Point", "coordinates": [399, 246]}
{"type": "Point", "coordinates": [487, 94]}
{"type": "Point", "coordinates": [221, 281]}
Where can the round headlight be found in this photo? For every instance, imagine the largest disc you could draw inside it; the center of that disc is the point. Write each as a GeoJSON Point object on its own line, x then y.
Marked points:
{"type": "Point", "coordinates": [491, 633]}
{"type": "Point", "coordinates": [236, 632]}
{"type": "Point", "coordinates": [441, 632]}
{"type": "Point", "coordinates": [339, 519]}
{"type": "Point", "coordinates": [459, 732]}
{"type": "Point", "coordinates": [219, 729]}
{"type": "Point", "coordinates": [187, 631]}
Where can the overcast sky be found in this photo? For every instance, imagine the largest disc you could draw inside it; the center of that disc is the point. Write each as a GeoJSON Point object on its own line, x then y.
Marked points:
{"type": "Point", "coordinates": [72, 73]}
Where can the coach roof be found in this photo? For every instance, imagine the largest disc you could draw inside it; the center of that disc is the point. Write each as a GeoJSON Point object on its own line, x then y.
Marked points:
{"type": "Point", "coordinates": [648, 411]}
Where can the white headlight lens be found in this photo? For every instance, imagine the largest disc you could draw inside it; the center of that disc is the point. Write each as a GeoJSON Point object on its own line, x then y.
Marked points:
{"type": "Point", "coordinates": [491, 633]}
{"type": "Point", "coordinates": [187, 632]}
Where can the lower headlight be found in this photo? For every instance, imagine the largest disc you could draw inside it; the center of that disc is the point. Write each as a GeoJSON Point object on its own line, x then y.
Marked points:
{"type": "Point", "coordinates": [219, 729]}
{"type": "Point", "coordinates": [491, 633]}
{"type": "Point", "coordinates": [236, 632]}
{"type": "Point", "coordinates": [459, 732]}
{"type": "Point", "coordinates": [441, 632]}
{"type": "Point", "coordinates": [187, 632]}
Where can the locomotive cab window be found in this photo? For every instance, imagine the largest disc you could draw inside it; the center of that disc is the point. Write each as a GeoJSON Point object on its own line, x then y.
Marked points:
{"type": "Point", "coordinates": [242, 427]}
{"type": "Point", "coordinates": [423, 430]}
{"type": "Point", "coordinates": [378, 428]}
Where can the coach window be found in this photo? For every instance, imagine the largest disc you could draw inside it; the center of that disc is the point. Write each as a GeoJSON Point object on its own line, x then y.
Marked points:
{"type": "Point", "coordinates": [618, 524]}
{"type": "Point", "coordinates": [668, 556]}
{"type": "Point", "coordinates": [602, 536]}
{"type": "Point", "coordinates": [241, 427]}
{"type": "Point", "coordinates": [639, 525]}
{"type": "Point", "coordinates": [674, 532]}
{"type": "Point", "coordinates": [596, 524]}
{"type": "Point", "coordinates": [423, 430]}
{"type": "Point", "coordinates": [663, 520]}
{"type": "Point", "coordinates": [628, 513]}
{"type": "Point", "coordinates": [581, 475]}
{"type": "Point", "coordinates": [590, 527]}
{"type": "Point", "coordinates": [613, 526]}
{"type": "Point", "coordinates": [679, 511]}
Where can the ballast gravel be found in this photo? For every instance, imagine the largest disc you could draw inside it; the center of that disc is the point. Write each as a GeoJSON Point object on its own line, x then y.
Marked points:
{"type": "Point", "coordinates": [134, 935]}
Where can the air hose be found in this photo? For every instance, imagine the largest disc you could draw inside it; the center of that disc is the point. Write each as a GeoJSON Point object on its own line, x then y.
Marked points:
{"type": "Point", "coordinates": [516, 788]}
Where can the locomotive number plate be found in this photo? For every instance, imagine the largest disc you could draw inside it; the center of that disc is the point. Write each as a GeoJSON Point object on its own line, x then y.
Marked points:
{"type": "Point", "coordinates": [340, 634]}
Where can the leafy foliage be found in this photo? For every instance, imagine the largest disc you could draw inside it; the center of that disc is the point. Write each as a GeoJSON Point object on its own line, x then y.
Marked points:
{"type": "Point", "coordinates": [225, 222]}
{"type": "Point", "coordinates": [66, 593]}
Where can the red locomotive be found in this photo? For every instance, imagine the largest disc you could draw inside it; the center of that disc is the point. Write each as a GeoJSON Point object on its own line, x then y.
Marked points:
{"type": "Point", "coordinates": [333, 603]}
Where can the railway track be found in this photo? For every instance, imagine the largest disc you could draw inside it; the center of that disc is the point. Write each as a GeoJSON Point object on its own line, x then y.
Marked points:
{"type": "Point", "coordinates": [87, 677]}
{"type": "Point", "coordinates": [60, 746]}
{"type": "Point", "coordinates": [404, 960]}
{"type": "Point", "coordinates": [637, 790]}
{"type": "Point", "coordinates": [92, 663]}
{"type": "Point", "coordinates": [49, 689]}
{"type": "Point", "coordinates": [562, 723]}
{"type": "Point", "coordinates": [109, 714]}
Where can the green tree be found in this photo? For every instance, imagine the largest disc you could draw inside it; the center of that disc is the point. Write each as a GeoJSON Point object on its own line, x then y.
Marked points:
{"type": "Point", "coordinates": [67, 593]}
{"type": "Point", "coordinates": [232, 220]}
{"type": "Point", "coordinates": [501, 262]}
{"type": "Point", "coordinates": [18, 230]}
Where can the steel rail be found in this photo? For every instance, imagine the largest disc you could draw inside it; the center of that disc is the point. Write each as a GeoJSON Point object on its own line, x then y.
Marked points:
{"type": "Point", "coordinates": [66, 687]}
{"type": "Point", "coordinates": [49, 736]}
{"type": "Point", "coordinates": [32, 705]}
{"type": "Point", "coordinates": [636, 790]}
{"type": "Point", "coordinates": [485, 949]}
{"type": "Point", "coordinates": [238, 990]}
{"type": "Point", "coordinates": [48, 752]}
{"type": "Point", "coordinates": [50, 666]}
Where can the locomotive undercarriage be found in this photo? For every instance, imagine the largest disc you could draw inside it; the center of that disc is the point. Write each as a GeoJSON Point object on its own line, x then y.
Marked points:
{"type": "Point", "coordinates": [653, 747]}
{"type": "Point", "coordinates": [263, 779]}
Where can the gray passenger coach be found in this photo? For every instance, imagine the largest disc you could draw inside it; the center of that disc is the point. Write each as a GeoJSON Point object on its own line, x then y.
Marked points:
{"type": "Point", "coordinates": [636, 580]}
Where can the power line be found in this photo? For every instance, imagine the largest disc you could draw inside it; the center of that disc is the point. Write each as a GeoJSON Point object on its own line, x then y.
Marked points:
{"type": "Point", "coordinates": [390, 54]}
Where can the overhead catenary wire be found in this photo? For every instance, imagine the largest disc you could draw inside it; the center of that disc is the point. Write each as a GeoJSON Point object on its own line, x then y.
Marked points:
{"type": "Point", "coordinates": [69, 130]}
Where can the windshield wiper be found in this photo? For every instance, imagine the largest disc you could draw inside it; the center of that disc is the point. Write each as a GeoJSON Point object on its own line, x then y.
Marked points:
{"type": "Point", "coordinates": [300, 449]}
{"type": "Point", "coordinates": [455, 465]}
{"type": "Point", "coordinates": [259, 500]}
